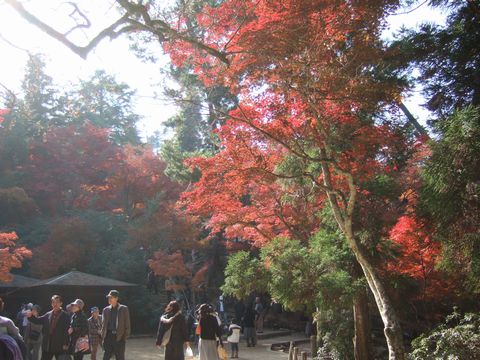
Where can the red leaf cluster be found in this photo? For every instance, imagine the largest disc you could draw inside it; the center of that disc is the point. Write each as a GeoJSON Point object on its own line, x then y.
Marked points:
{"type": "Point", "coordinates": [11, 256]}
{"type": "Point", "coordinates": [418, 256]}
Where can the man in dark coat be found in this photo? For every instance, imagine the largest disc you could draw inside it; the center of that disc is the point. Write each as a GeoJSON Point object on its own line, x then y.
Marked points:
{"type": "Point", "coordinates": [115, 327]}
{"type": "Point", "coordinates": [55, 330]}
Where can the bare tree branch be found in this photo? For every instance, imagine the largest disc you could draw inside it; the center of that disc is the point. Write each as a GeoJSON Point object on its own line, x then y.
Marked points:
{"type": "Point", "coordinates": [81, 51]}
{"type": "Point", "coordinates": [12, 96]}
{"type": "Point", "coordinates": [136, 16]}
{"type": "Point", "coordinates": [76, 10]}
{"type": "Point", "coordinates": [13, 45]}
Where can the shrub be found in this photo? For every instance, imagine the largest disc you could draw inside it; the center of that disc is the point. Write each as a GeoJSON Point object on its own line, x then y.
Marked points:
{"type": "Point", "coordinates": [457, 339]}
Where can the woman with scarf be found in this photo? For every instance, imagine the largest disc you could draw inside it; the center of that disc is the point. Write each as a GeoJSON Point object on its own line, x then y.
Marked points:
{"type": "Point", "coordinates": [172, 332]}
{"type": "Point", "coordinates": [210, 331]}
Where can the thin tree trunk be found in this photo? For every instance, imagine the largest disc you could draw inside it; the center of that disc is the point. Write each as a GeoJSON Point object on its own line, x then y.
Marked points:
{"type": "Point", "coordinates": [392, 329]}
{"type": "Point", "coordinates": [421, 130]}
{"type": "Point", "coordinates": [343, 217]}
{"type": "Point", "coordinates": [361, 342]}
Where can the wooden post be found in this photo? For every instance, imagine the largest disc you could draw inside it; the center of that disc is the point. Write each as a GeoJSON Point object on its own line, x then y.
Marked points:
{"type": "Point", "coordinates": [304, 355]}
{"type": "Point", "coordinates": [295, 353]}
{"type": "Point", "coordinates": [313, 346]}
{"type": "Point", "coordinates": [290, 351]}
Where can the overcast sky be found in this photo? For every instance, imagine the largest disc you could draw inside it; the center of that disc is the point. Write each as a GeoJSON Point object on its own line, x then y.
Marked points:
{"type": "Point", "coordinates": [114, 56]}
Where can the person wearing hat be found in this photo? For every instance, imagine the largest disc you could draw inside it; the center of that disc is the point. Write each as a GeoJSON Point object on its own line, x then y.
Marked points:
{"type": "Point", "coordinates": [95, 331]}
{"type": "Point", "coordinates": [78, 331]}
{"type": "Point", "coordinates": [115, 327]}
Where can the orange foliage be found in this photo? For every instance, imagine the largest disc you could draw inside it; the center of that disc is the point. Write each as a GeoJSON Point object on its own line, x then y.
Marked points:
{"type": "Point", "coordinates": [69, 245]}
{"type": "Point", "coordinates": [11, 256]}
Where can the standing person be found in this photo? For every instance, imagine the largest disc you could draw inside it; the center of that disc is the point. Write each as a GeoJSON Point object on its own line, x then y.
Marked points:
{"type": "Point", "coordinates": [221, 310]}
{"type": "Point", "coordinates": [115, 327]}
{"type": "Point", "coordinates": [95, 331]}
{"type": "Point", "coordinates": [234, 337]}
{"type": "Point", "coordinates": [209, 332]}
{"type": "Point", "coordinates": [172, 332]}
{"type": "Point", "coordinates": [260, 315]}
{"type": "Point", "coordinates": [239, 307]}
{"type": "Point", "coordinates": [10, 336]}
{"type": "Point", "coordinates": [24, 318]}
{"type": "Point", "coordinates": [33, 336]}
{"type": "Point", "coordinates": [78, 329]}
{"type": "Point", "coordinates": [55, 330]}
{"type": "Point", "coordinates": [249, 325]}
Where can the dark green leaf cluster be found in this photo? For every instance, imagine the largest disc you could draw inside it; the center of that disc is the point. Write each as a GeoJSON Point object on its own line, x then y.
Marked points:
{"type": "Point", "coordinates": [457, 339]}
{"type": "Point", "coordinates": [451, 192]}
{"type": "Point", "coordinates": [448, 57]}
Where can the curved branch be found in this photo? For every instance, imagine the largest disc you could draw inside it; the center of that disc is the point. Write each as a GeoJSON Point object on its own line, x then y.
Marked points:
{"type": "Point", "coordinates": [156, 27]}
{"type": "Point", "coordinates": [81, 51]}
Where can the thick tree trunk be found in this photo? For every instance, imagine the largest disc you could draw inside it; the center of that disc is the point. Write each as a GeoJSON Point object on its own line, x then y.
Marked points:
{"type": "Point", "coordinates": [361, 342]}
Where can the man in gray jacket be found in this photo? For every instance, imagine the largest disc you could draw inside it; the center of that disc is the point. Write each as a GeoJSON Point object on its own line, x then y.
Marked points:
{"type": "Point", "coordinates": [115, 327]}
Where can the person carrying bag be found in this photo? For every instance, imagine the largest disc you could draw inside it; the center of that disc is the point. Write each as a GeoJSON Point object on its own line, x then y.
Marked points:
{"type": "Point", "coordinates": [172, 332]}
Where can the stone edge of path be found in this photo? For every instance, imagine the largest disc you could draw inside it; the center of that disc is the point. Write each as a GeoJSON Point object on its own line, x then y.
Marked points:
{"type": "Point", "coordinates": [285, 345]}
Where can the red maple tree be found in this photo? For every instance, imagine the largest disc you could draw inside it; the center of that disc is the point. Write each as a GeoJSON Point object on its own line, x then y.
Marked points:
{"type": "Point", "coordinates": [305, 72]}
{"type": "Point", "coordinates": [11, 256]}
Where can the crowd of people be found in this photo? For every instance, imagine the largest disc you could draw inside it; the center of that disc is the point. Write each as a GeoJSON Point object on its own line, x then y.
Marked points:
{"type": "Point", "coordinates": [66, 334]}
{"type": "Point", "coordinates": [210, 326]}
{"type": "Point", "coordinates": [70, 334]}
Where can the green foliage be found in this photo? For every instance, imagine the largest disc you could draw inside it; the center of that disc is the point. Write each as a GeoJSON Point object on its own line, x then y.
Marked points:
{"type": "Point", "coordinates": [456, 339]}
{"type": "Point", "coordinates": [336, 329]}
{"type": "Point", "coordinates": [295, 275]}
{"type": "Point", "coordinates": [15, 206]}
{"type": "Point", "coordinates": [451, 175]}
{"type": "Point", "coordinates": [40, 103]}
{"type": "Point", "coordinates": [243, 275]}
{"type": "Point", "coordinates": [171, 152]}
{"type": "Point", "coordinates": [451, 192]}
{"type": "Point", "coordinates": [448, 57]}
{"type": "Point", "coordinates": [106, 104]}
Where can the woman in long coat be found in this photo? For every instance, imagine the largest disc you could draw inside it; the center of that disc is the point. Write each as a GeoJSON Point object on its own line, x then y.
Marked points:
{"type": "Point", "coordinates": [78, 328]}
{"type": "Point", "coordinates": [210, 331]}
{"type": "Point", "coordinates": [172, 332]}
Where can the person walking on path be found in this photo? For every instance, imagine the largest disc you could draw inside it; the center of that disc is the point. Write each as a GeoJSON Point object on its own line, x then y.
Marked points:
{"type": "Point", "coordinates": [234, 337]}
{"type": "Point", "coordinates": [115, 327]}
{"type": "Point", "coordinates": [94, 331]}
{"type": "Point", "coordinates": [78, 329]}
{"type": "Point", "coordinates": [33, 336]}
{"type": "Point", "coordinates": [209, 332]}
{"type": "Point", "coordinates": [55, 330]}
{"type": "Point", "coordinates": [239, 307]}
{"type": "Point", "coordinates": [249, 325]}
{"type": "Point", "coordinates": [172, 332]}
{"type": "Point", "coordinates": [260, 315]}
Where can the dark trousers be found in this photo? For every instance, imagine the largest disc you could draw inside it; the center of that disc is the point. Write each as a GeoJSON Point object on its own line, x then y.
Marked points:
{"type": "Point", "coordinates": [234, 347]}
{"type": "Point", "coordinates": [78, 356]}
{"type": "Point", "coordinates": [174, 351]}
{"type": "Point", "coordinates": [49, 356]}
{"type": "Point", "coordinates": [113, 347]}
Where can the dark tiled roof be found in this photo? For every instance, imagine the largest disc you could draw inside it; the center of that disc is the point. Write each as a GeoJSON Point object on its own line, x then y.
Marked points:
{"type": "Point", "coordinates": [78, 278]}
{"type": "Point", "coordinates": [19, 281]}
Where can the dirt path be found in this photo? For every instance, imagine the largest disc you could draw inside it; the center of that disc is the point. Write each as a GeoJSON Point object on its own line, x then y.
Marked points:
{"type": "Point", "coordinates": [144, 349]}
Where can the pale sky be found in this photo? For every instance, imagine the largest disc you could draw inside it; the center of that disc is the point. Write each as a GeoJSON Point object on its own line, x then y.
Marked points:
{"type": "Point", "coordinates": [115, 57]}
